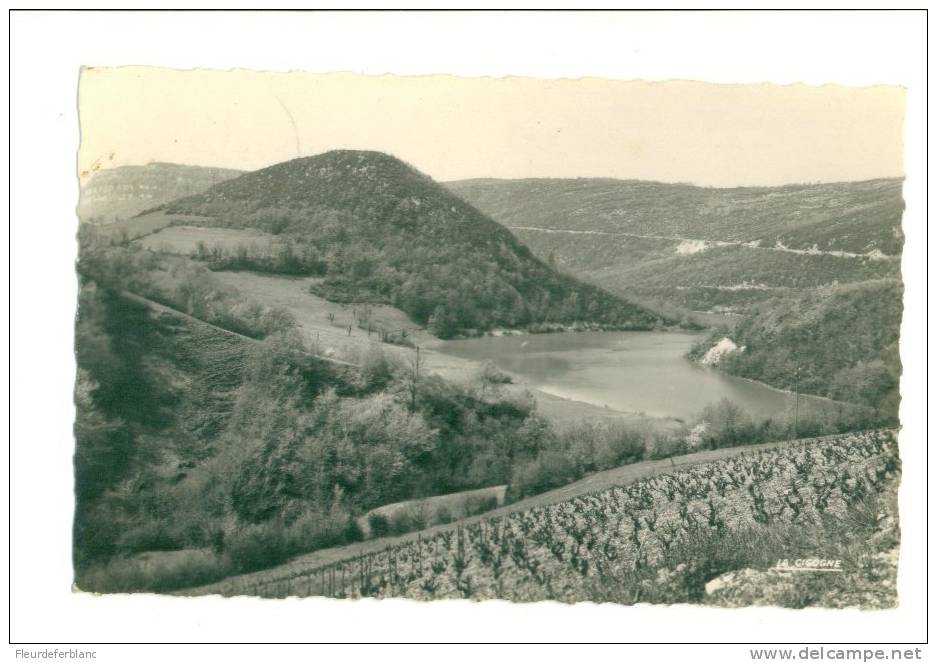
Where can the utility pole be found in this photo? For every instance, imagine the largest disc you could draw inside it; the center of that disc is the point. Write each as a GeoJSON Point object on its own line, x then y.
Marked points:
{"type": "Point", "coordinates": [796, 402]}
{"type": "Point", "coordinates": [416, 377]}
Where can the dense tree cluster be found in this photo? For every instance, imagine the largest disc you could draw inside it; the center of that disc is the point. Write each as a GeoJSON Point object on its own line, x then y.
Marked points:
{"type": "Point", "coordinates": [282, 258]}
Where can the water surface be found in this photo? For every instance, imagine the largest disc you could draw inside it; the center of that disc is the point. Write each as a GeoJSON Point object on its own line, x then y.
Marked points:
{"type": "Point", "coordinates": [629, 371]}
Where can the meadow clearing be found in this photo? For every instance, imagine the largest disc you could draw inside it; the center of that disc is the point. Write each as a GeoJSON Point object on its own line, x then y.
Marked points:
{"type": "Point", "coordinates": [144, 225]}
{"type": "Point", "coordinates": [185, 240]}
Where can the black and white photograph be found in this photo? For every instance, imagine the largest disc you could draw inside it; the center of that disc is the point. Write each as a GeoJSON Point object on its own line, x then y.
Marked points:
{"type": "Point", "coordinates": [380, 339]}
{"type": "Point", "coordinates": [340, 375]}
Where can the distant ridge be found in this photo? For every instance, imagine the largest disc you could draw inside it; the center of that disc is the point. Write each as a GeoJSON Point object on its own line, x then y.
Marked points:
{"type": "Point", "coordinates": [845, 216]}
{"type": "Point", "coordinates": [119, 193]}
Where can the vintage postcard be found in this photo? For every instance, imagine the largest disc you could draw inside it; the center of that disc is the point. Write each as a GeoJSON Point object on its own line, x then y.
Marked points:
{"type": "Point", "coordinates": [472, 338]}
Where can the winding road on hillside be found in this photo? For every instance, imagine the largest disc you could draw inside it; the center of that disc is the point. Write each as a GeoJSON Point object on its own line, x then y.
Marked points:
{"type": "Point", "coordinates": [701, 244]}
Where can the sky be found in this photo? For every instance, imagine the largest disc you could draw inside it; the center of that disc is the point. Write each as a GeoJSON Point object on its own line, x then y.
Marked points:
{"type": "Point", "coordinates": [456, 128]}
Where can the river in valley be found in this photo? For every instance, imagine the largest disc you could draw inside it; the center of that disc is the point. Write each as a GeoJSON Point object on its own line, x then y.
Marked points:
{"type": "Point", "coordinates": [628, 371]}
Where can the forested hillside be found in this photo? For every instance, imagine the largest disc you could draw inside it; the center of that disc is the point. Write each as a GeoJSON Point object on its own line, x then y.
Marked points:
{"type": "Point", "coordinates": [379, 231]}
{"type": "Point", "coordinates": [226, 453]}
{"type": "Point", "coordinates": [839, 342]}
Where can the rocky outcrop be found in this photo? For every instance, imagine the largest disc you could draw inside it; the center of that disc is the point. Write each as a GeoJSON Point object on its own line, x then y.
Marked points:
{"type": "Point", "coordinates": [719, 351]}
{"type": "Point", "coordinates": [871, 584]}
{"type": "Point", "coordinates": [120, 193]}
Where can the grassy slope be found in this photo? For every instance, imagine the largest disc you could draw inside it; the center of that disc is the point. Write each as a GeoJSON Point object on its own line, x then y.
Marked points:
{"type": "Point", "coordinates": [185, 240]}
{"type": "Point", "coordinates": [194, 365]}
{"type": "Point", "coordinates": [205, 363]}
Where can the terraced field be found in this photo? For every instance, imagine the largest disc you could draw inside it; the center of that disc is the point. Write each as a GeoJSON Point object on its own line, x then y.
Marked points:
{"type": "Point", "coordinates": [712, 533]}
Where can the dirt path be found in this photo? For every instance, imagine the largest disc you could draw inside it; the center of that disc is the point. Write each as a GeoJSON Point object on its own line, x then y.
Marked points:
{"type": "Point", "coordinates": [595, 482]}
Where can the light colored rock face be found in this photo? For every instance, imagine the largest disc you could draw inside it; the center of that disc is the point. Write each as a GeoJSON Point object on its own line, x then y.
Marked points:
{"type": "Point", "coordinates": [719, 582]}
{"type": "Point", "coordinates": [690, 246]}
{"type": "Point", "coordinates": [870, 584]}
{"type": "Point", "coordinates": [120, 193]}
{"type": "Point", "coordinates": [717, 353]}
{"type": "Point", "coordinates": [749, 587]}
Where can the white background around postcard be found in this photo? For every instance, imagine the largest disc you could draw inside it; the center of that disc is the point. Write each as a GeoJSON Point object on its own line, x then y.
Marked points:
{"type": "Point", "coordinates": [47, 51]}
